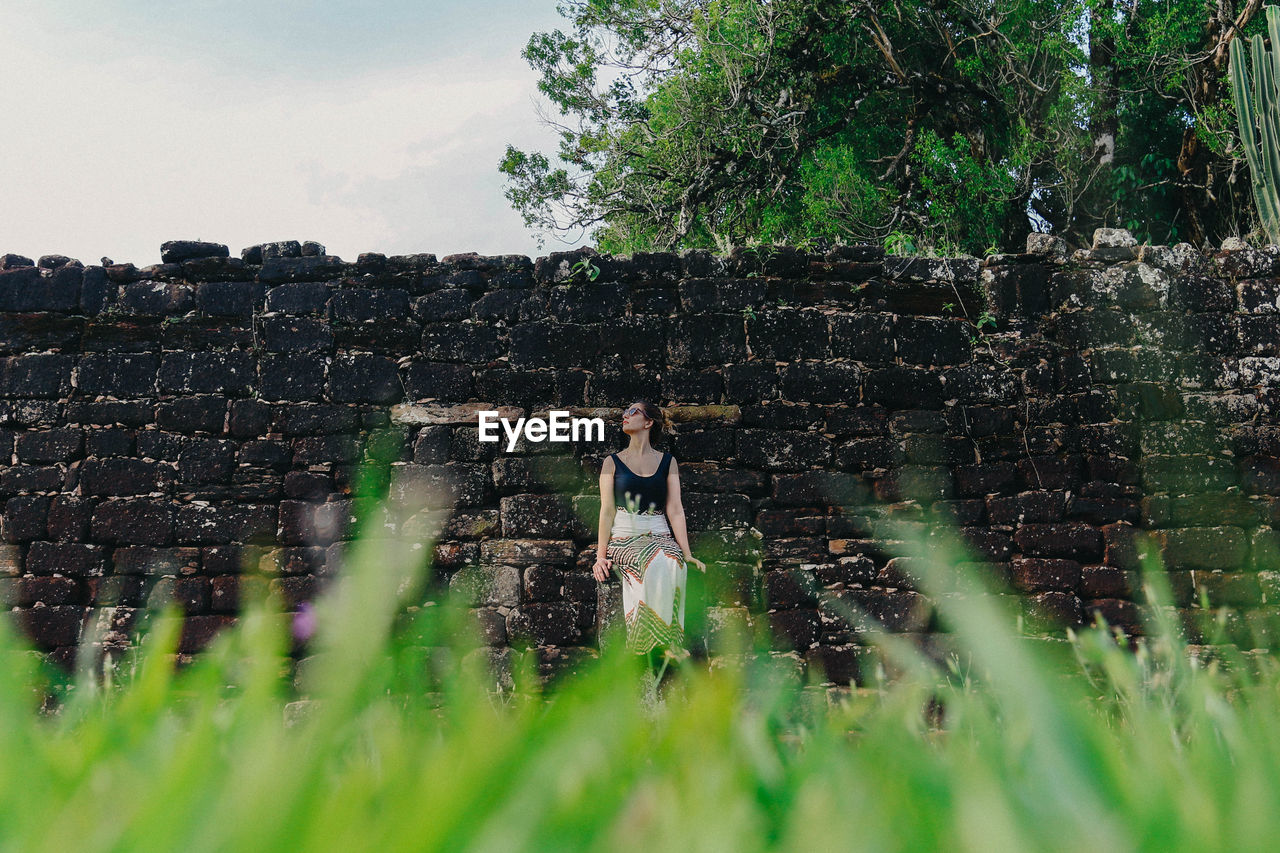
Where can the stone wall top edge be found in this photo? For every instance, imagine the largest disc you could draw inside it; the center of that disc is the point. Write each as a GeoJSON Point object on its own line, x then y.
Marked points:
{"type": "Point", "coordinates": [275, 263]}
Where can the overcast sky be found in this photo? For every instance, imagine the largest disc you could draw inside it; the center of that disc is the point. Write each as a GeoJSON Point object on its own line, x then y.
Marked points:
{"type": "Point", "coordinates": [366, 126]}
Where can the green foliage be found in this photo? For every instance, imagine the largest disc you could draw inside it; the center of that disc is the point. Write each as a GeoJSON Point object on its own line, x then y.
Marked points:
{"type": "Point", "coordinates": [995, 741]}
{"type": "Point", "coordinates": [584, 269]}
{"type": "Point", "coordinates": [1260, 119]}
{"type": "Point", "coordinates": [688, 123]}
{"type": "Point", "coordinates": [738, 122]}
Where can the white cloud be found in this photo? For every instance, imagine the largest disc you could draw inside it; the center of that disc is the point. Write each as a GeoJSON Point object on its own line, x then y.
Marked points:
{"type": "Point", "coordinates": [111, 151]}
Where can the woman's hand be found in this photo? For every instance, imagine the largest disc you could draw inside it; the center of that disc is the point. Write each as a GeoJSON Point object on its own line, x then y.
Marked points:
{"type": "Point", "coordinates": [698, 564]}
{"type": "Point", "coordinates": [602, 568]}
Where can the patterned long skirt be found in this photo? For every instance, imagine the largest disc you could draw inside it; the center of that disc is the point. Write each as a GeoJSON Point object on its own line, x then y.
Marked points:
{"type": "Point", "coordinates": [654, 578]}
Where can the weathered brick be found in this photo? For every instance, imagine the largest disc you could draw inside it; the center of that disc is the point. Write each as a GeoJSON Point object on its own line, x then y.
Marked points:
{"type": "Point", "coordinates": [1203, 547]}
{"type": "Point", "coordinates": [80, 560]}
{"type": "Point", "coordinates": [37, 375]}
{"type": "Point", "coordinates": [1037, 574]}
{"type": "Point", "coordinates": [364, 378]}
{"type": "Point", "coordinates": [1069, 540]}
{"type": "Point", "coordinates": [119, 374]}
{"type": "Point", "coordinates": [230, 373]}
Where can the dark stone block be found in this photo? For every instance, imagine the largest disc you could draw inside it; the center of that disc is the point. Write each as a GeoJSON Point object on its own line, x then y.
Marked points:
{"type": "Point", "coordinates": [266, 454]}
{"type": "Point", "coordinates": [56, 445]}
{"type": "Point", "coordinates": [157, 298]}
{"type": "Point", "coordinates": [119, 374]}
{"type": "Point", "coordinates": [226, 523]}
{"type": "Point", "coordinates": [121, 476]}
{"type": "Point", "coordinates": [25, 289]}
{"type": "Point", "coordinates": [207, 413]}
{"type": "Point", "coordinates": [176, 251]}
{"type": "Point", "coordinates": [542, 624]}
{"type": "Point", "coordinates": [51, 627]}
{"type": "Point", "coordinates": [1069, 540]}
{"type": "Point", "coordinates": [820, 488]}
{"type": "Point", "coordinates": [324, 449]}
{"type": "Point", "coordinates": [312, 418]}
{"type": "Point", "coordinates": [1204, 548]}
{"type": "Point", "coordinates": [11, 261]}
{"type": "Point", "coordinates": [751, 382]}
{"type": "Point", "coordinates": [74, 559]}
{"type": "Point", "coordinates": [496, 305]}
{"type": "Point", "coordinates": [364, 378]}
{"type": "Point", "coordinates": [903, 388]}
{"type": "Point", "coordinates": [249, 418]}
{"type": "Point", "coordinates": [1092, 328]}
{"type": "Point", "coordinates": [36, 375]}
{"type": "Point", "coordinates": [289, 376]}
{"type": "Point", "coordinates": [934, 342]}
{"type": "Point", "coordinates": [981, 383]}
{"type": "Point", "coordinates": [310, 297]}
{"type": "Point", "coordinates": [450, 303]}
{"type": "Point", "coordinates": [50, 591]}
{"type": "Point", "coordinates": [155, 444]}
{"type": "Point", "coordinates": [206, 460]}
{"type": "Point", "coordinates": [988, 478]}
{"type": "Point", "coordinates": [782, 451]}
{"type": "Point", "coordinates": [111, 413]}
{"type": "Point", "coordinates": [133, 521]}
{"type": "Point", "coordinates": [26, 517]}
{"type": "Point", "coordinates": [549, 344]}
{"type": "Point", "coordinates": [1051, 472]}
{"type": "Point", "coordinates": [785, 334]}
{"type": "Point", "coordinates": [1259, 335]}
{"type": "Point", "coordinates": [315, 268]}
{"type": "Point", "coordinates": [1037, 574]}
{"type": "Point", "coordinates": [229, 373]}
{"type": "Point", "coordinates": [227, 298]}
{"type": "Point", "coordinates": [307, 485]}
{"type": "Point", "coordinates": [543, 583]}
{"type": "Point", "coordinates": [707, 340]}
{"type": "Point", "coordinates": [874, 609]}
{"type": "Point", "coordinates": [1027, 508]}
{"type": "Point", "coordinates": [831, 382]}
{"type": "Point", "coordinates": [536, 516]}
{"type": "Point", "coordinates": [69, 518]}
{"type": "Point", "coordinates": [360, 305]}
{"type": "Point", "coordinates": [205, 333]}
{"type": "Point", "coordinates": [296, 334]}
{"type": "Point", "coordinates": [22, 333]}
{"type": "Point", "coordinates": [795, 629]}
{"type": "Point", "coordinates": [1052, 611]}
{"type": "Point", "coordinates": [1186, 474]}
{"type": "Point", "coordinates": [302, 523]}
{"type": "Point", "coordinates": [198, 631]}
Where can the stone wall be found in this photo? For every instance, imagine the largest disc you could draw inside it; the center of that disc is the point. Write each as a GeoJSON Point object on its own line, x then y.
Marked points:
{"type": "Point", "coordinates": [184, 430]}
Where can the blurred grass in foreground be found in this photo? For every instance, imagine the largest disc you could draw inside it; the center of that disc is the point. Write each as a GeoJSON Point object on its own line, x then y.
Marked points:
{"type": "Point", "coordinates": [1006, 746]}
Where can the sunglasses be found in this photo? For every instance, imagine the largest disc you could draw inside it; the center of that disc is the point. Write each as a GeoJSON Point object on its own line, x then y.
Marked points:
{"type": "Point", "coordinates": [631, 411]}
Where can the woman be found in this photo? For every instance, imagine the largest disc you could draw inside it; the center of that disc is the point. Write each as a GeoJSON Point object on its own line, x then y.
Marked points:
{"type": "Point", "coordinates": [642, 530]}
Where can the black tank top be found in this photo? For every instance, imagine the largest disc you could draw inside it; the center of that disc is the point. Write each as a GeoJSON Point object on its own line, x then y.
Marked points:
{"type": "Point", "coordinates": [651, 491]}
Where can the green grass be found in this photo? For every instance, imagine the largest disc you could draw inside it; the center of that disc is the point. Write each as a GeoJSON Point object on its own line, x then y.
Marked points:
{"type": "Point", "coordinates": [1010, 744]}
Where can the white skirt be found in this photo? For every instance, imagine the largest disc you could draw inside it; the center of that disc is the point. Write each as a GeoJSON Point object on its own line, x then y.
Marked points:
{"type": "Point", "coordinates": [654, 577]}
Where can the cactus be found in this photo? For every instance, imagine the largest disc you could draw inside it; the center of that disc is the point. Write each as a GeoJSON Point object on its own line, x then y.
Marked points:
{"type": "Point", "coordinates": [1256, 108]}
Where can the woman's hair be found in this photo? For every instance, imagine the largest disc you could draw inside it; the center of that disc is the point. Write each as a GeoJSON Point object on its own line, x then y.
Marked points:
{"type": "Point", "coordinates": [661, 426]}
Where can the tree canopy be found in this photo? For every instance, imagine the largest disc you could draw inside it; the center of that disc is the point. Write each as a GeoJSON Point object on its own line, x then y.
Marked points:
{"type": "Point", "coordinates": [943, 125]}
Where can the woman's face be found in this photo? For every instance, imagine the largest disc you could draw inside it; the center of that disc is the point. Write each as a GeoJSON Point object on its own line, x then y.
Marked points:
{"type": "Point", "coordinates": [633, 419]}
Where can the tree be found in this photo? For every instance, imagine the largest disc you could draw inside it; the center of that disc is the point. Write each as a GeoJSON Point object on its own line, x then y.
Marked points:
{"type": "Point", "coordinates": [945, 123]}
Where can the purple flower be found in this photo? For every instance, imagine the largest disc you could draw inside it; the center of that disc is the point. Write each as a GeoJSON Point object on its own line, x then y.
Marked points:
{"type": "Point", "coordinates": [304, 622]}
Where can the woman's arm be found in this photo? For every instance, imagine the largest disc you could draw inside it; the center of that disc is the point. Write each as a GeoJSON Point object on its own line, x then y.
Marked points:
{"type": "Point", "coordinates": [675, 515]}
{"type": "Point", "coordinates": [607, 513]}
